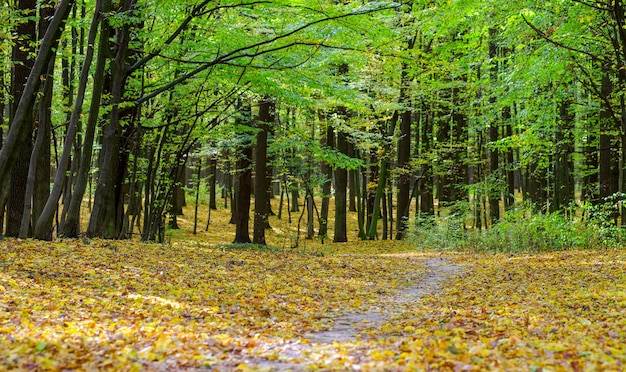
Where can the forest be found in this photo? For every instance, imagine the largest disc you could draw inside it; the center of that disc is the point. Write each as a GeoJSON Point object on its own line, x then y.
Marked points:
{"type": "Point", "coordinates": [262, 185]}
{"type": "Point", "coordinates": [403, 113]}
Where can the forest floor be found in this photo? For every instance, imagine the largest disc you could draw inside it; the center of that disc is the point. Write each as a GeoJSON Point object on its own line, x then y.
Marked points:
{"type": "Point", "coordinates": [196, 304]}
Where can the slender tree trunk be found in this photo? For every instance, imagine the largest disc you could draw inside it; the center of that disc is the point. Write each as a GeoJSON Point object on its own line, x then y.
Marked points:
{"type": "Point", "coordinates": [18, 129]}
{"type": "Point", "coordinates": [509, 200]}
{"type": "Point", "coordinates": [104, 221]}
{"type": "Point", "coordinates": [327, 173]}
{"type": "Point", "coordinates": [372, 232]}
{"type": "Point", "coordinates": [404, 179]}
{"type": "Point", "coordinates": [38, 182]}
{"type": "Point", "coordinates": [42, 174]}
{"type": "Point", "coordinates": [606, 179]}
{"type": "Point", "coordinates": [494, 193]}
{"type": "Point", "coordinates": [352, 178]}
{"type": "Point", "coordinates": [427, 202]}
{"type": "Point", "coordinates": [72, 222]}
{"type": "Point", "coordinates": [195, 215]}
{"type": "Point", "coordinates": [563, 162]}
{"type": "Point", "coordinates": [213, 183]}
{"type": "Point", "coordinates": [43, 229]}
{"type": "Point", "coordinates": [341, 186]}
{"type": "Point", "coordinates": [310, 216]}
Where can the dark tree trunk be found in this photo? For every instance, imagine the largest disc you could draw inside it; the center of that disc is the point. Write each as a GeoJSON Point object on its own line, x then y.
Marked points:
{"type": "Point", "coordinates": [243, 183]}
{"type": "Point", "coordinates": [494, 190]}
{"type": "Point", "coordinates": [243, 192]}
{"type": "Point", "coordinates": [43, 228]}
{"type": "Point", "coordinates": [563, 162]}
{"type": "Point", "coordinates": [213, 183]}
{"type": "Point", "coordinates": [104, 221]}
{"type": "Point", "coordinates": [372, 232]}
{"type": "Point", "coordinates": [427, 198]}
{"type": "Point", "coordinates": [607, 176]}
{"type": "Point", "coordinates": [404, 179]}
{"type": "Point", "coordinates": [18, 129]}
{"type": "Point", "coordinates": [177, 201]}
{"type": "Point", "coordinates": [341, 188]}
{"type": "Point", "coordinates": [368, 185]}
{"type": "Point", "coordinates": [72, 222]}
{"type": "Point", "coordinates": [22, 54]}
{"type": "Point", "coordinates": [38, 185]}
{"type": "Point", "coordinates": [261, 181]}
{"type": "Point", "coordinates": [327, 173]}
{"type": "Point", "coordinates": [427, 202]}
{"type": "Point", "coordinates": [509, 199]}
{"type": "Point", "coordinates": [352, 182]}
{"type": "Point", "coordinates": [42, 174]}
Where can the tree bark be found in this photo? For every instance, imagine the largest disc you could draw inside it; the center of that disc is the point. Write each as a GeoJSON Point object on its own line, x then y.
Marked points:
{"type": "Point", "coordinates": [212, 183]}
{"type": "Point", "coordinates": [43, 228]}
{"type": "Point", "coordinates": [243, 189]}
{"type": "Point", "coordinates": [104, 221]}
{"type": "Point", "coordinates": [71, 227]}
{"type": "Point", "coordinates": [23, 61]}
{"type": "Point", "coordinates": [327, 173]}
{"type": "Point", "coordinates": [341, 188]}
{"type": "Point", "coordinates": [404, 178]}
{"type": "Point", "coordinates": [261, 180]}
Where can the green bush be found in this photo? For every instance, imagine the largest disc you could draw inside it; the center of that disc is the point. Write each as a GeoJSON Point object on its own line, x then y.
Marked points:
{"type": "Point", "coordinates": [522, 230]}
{"type": "Point", "coordinates": [443, 233]}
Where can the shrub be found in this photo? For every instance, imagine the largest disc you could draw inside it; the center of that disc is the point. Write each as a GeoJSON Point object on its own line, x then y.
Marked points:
{"type": "Point", "coordinates": [522, 230]}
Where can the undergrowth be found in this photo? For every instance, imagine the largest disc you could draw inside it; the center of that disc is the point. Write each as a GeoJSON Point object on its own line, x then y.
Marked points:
{"type": "Point", "coordinates": [521, 231]}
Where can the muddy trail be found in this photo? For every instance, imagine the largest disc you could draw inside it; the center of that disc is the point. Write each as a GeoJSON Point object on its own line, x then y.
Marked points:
{"type": "Point", "coordinates": [350, 327]}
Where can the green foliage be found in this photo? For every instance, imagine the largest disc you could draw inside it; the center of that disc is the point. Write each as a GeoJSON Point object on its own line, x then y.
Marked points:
{"type": "Point", "coordinates": [523, 230]}
{"type": "Point", "coordinates": [532, 233]}
{"type": "Point", "coordinates": [601, 217]}
{"type": "Point", "coordinates": [444, 233]}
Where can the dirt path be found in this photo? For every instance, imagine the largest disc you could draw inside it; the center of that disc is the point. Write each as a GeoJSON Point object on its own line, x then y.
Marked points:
{"type": "Point", "coordinates": [349, 327]}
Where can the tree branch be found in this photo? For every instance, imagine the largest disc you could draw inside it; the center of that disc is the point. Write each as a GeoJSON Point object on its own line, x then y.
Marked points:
{"type": "Point", "coordinates": [559, 44]}
{"type": "Point", "coordinates": [243, 51]}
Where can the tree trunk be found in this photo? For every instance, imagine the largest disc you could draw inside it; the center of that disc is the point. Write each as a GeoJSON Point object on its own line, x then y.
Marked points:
{"type": "Point", "coordinates": [563, 162]}
{"type": "Point", "coordinates": [327, 174]}
{"type": "Point", "coordinates": [213, 183]}
{"type": "Point", "coordinates": [261, 181]}
{"type": "Point", "coordinates": [352, 179]}
{"type": "Point", "coordinates": [104, 221]}
{"type": "Point", "coordinates": [404, 179]}
{"type": "Point", "coordinates": [341, 188]}
{"type": "Point", "coordinates": [427, 202]}
{"type": "Point", "coordinates": [18, 129]}
{"type": "Point", "coordinates": [22, 55]}
{"type": "Point", "coordinates": [71, 227]}
{"type": "Point", "coordinates": [43, 229]}
{"type": "Point", "coordinates": [243, 188]}
{"type": "Point", "coordinates": [509, 199]}
{"type": "Point", "coordinates": [42, 174]}
{"type": "Point", "coordinates": [607, 179]}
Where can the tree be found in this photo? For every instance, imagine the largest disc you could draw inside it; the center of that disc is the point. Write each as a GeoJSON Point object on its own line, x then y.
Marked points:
{"type": "Point", "coordinates": [19, 129]}
{"type": "Point", "coordinates": [261, 179]}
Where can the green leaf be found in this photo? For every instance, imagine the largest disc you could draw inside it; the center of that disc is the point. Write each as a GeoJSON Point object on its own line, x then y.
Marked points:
{"type": "Point", "coordinates": [41, 346]}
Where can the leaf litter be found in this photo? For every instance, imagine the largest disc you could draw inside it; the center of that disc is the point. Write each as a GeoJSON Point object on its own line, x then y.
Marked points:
{"type": "Point", "coordinates": [71, 305]}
